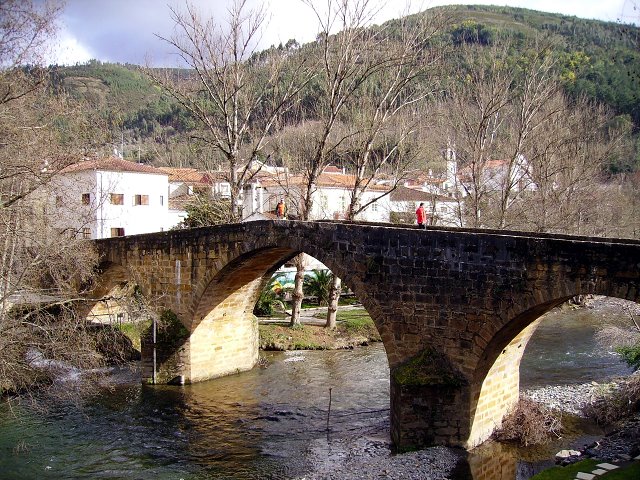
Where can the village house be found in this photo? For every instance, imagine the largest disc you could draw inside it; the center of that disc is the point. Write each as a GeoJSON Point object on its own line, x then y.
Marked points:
{"type": "Point", "coordinates": [184, 183]}
{"type": "Point", "coordinates": [331, 196]}
{"type": "Point", "coordinates": [497, 176]}
{"type": "Point", "coordinates": [109, 197]}
{"type": "Point", "coordinates": [444, 184]}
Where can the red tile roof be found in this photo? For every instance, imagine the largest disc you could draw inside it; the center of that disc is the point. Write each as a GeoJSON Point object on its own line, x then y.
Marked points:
{"type": "Point", "coordinates": [112, 164]}
{"type": "Point", "coordinates": [182, 174]}
{"type": "Point", "coordinates": [193, 176]}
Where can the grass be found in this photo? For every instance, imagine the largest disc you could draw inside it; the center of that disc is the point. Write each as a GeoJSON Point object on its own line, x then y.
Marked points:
{"type": "Point", "coordinates": [357, 322]}
{"type": "Point", "coordinates": [354, 327]}
{"type": "Point", "coordinates": [134, 331]}
{"type": "Point", "coordinates": [304, 337]}
{"type": "Point", "coordinates": [354, 322]}
{"type": "Point", "coordinates": [587, 466]}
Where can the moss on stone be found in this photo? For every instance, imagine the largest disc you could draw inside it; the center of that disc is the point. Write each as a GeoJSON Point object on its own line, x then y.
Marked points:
{"type": "Point", "coordinates": [428, 368]}
{"type": "Point", "coordinates": [171, 331]}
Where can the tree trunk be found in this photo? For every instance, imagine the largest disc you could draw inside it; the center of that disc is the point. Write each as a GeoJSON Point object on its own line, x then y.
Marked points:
{"type": "Point", "coordinates": [298, 293]}
{"type": "Point", "coordinates": [334, 296]}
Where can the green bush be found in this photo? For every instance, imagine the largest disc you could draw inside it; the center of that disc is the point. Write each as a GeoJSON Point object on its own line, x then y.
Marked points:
{"type": "Point", "coordinates": [318, 284]}
{"type": "Point", "coordinates": [631, 355]}
{"type": "Point", "coordinates": [269, 299]}
{"type": "Point", "coordinates": [170, 330]}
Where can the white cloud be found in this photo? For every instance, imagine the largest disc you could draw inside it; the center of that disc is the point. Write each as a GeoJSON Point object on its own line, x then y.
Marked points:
{"type": "Point", "coordinates": [69, 51]}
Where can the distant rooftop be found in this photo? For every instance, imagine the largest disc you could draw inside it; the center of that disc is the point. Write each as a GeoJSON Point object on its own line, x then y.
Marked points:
{"type": "Point", "coordinates": [112, 164]}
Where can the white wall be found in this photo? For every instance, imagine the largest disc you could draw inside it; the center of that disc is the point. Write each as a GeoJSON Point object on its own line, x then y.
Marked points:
{"type": "Point", "coordinates": [101, 215]}
{"type": "Point", "coordinates": [332, 203]}
{"type": "Point", "coordinates": [135, 219]}
{"type": "Point", "coordinates": [65, 201]}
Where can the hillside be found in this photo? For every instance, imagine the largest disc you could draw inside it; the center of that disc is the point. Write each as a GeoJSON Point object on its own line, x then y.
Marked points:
{"type": "Point", "coordinates": [597, 59]}
{"type": "Point", "coordinates": [609, 52]}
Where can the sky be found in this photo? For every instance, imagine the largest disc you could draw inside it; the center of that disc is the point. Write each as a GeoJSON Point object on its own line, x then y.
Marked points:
{"type": "Point", "coordinates": [125, 31]}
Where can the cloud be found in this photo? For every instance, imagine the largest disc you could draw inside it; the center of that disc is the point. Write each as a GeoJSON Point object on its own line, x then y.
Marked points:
{"type": "Point", "coordinates": [69, 51]}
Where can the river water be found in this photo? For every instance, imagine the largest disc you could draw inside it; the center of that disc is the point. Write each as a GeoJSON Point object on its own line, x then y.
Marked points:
{"type": "Point", "coordinates": [270, 422]}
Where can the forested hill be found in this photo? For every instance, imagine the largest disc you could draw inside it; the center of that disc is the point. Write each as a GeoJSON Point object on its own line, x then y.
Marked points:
{"type": "Point", "coordinates": [607, 54]}
{"type": "Point", "coordinates": [598, 59]}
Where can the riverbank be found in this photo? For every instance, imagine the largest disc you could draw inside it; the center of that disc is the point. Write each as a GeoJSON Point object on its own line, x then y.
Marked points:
{"type": "Point", "coordinates": [620, 444]}
{"type": "Point", "coordinates": [354, 328]}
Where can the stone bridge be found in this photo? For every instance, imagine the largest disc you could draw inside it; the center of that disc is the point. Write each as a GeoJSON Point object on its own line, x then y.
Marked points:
{"type": "Point", "coordinates": [455, 307]}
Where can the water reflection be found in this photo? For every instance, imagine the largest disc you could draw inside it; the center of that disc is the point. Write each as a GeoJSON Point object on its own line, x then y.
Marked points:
{"type": "Point", "coordinates": [497, 461]}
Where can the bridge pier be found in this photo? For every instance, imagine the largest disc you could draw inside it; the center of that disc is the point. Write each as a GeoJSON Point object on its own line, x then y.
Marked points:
{"type": "Point", "coordinates": [426, 415]}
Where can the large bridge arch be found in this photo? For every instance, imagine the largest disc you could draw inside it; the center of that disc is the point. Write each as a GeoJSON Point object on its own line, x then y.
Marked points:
{"type": "Point", "coordinates": [447, 302]}
{"type": "Point", "coordinates": [224, 334]}
{"type": "Point", "coordinates": [496, 380]}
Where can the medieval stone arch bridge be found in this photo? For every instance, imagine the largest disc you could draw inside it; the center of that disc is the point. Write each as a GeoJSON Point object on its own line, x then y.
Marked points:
{"type": "Point", "coordinates": [455, 307]}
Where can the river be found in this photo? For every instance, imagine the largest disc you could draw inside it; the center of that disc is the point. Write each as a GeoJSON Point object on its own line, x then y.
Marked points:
{"type": "Point", "coordinates": [267, 423]}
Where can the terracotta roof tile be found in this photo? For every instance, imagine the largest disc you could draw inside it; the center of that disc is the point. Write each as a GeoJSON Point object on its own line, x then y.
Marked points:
{"type": "Point", "coordinates": [182, 174]}
{"type": "Point", "coordinates": [112, 164]}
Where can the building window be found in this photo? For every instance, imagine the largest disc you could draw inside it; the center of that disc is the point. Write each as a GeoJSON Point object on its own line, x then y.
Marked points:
{"type": "Point", "coordinates": [86, 198]}
{"type": "Point", "coordinates": [374, 207]}
{"type": "Point", "coordinates": [117, 232]}
{"type": "Point", "coordinates": [86, 232]}
{"type": "Point", "coordinates": [161, 200]}
{"type": "Point", "coordinates": [141, 199]}
{"type": "Point", "coordinates": [225, 189]}
{"type": "Point", "coordinates": [117, 199]}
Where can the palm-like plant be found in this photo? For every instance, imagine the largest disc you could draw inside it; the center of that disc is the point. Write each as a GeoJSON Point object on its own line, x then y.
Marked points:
{"type": "Point", "coordinates": [317, 284]}
{"type": "Point", "coordinates": [269, 298]}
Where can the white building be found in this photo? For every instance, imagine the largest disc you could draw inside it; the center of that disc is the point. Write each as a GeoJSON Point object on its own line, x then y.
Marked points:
{"type": "Point", "coordinates": [498, 176]}
{"type": "Point", "coordinates": [185, 183]}
{"type": "Point", "coordinates": [110, 197]}
{"type": "Point", "coordinates": [331, 196]}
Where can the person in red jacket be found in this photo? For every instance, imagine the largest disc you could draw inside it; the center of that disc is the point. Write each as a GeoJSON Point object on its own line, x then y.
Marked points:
{"type": "Point", "coordinates": [281, 210]}
{"type": "Point", "coordinates": [421, 216]}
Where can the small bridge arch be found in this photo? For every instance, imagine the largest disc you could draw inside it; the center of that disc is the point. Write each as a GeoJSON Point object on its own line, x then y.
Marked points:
{"type": "Point", "coordinates": [454, 307]}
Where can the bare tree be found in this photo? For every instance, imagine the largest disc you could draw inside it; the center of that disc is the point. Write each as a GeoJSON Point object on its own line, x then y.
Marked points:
{"type": "Point", "coordinates": [515, 132]}
{"type": "Point", "coordinates": [568, 163]}
{"type": "Point", "coordinates": [475, 114]}
{"type": "Point", "coordinates": [236, 95]}
{"type": "Point", "coordinates": [391, 109]}
{"type": "Point", "coordinates": [42, 270]}
{"type": "Point", "coordinates": [367, 83]}
{"type": "Point", "coordinates": [531, 158]}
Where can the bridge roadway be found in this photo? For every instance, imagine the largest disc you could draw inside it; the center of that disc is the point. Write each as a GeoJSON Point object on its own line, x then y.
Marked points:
{"type": "Point", "coordinates": [455, 307]}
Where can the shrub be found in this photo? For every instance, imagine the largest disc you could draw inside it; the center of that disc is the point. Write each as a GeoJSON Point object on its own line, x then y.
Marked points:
{"type": "Point", "coordinates": [614, 401]}
{"type": "Point", "coordinates": [630, 354]}
{"type": "Point", "coordinates": [318, 284]}
{"type": "Point", "coordinates": [269, 299]}
{"type": "Point", "coordinates": [171, 331]}
{"type": "Point", "coordinates": [529, 423]}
